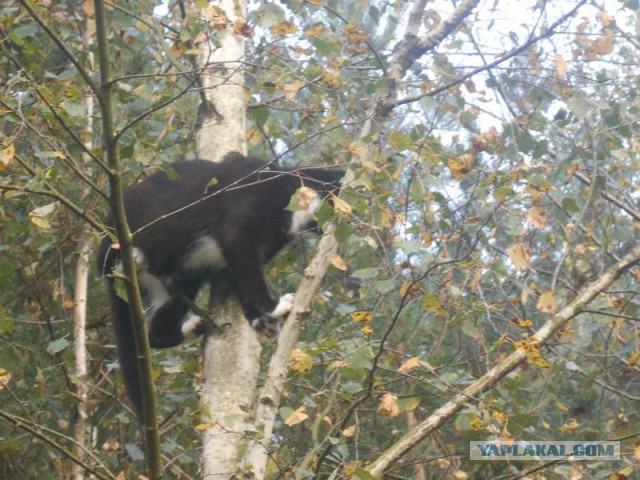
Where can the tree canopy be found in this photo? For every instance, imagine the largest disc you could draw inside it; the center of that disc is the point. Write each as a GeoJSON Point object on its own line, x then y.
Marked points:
{"type": "Point", "coordinates": [485, 284]}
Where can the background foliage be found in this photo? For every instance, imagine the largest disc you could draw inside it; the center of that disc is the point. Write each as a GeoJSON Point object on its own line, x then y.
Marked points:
{"type": "Point", "coordinates": [504, 181]}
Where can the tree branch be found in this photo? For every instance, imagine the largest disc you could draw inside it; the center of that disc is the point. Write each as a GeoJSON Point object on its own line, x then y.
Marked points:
{"type": "Point", "coordinates": [26, 425]}
{"type": "Point", "coordinates": [493, 376]}
{"type": "Point", "coordinates": [412, 47]}
{"type": "Point", "coordinates": [269, 397]}
{"type": "Point", "coordinates": [125, 238]}
{"type": "Point", "coordinates": [516, 51]}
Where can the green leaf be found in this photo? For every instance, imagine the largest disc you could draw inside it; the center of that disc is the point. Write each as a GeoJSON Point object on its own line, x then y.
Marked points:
{"type": "Point", "coordinates": [134, 451]}
{"type": "Point", "coordinates": [400, 141]}
{"type": "Point", "coordinates": [73, 109]}
{"type": "Point", "coordinates": [269, 15]}
{"type": "Point", "coordinates": [260, 115]}
{"type": "Point", "coordinates": [362, 474]}
{"type": "Point", "coordinates": [579, 105]}
{"type": "Point", "coordinates": [570, 205]}
{"type": "Point", "coordinates": [57, 346]}
{"type": "Point", "coordinates": [213, 182]}
{"type": "Point", "coordinates": [365, 273]}
{"type": "Point", "coordinates": [25, 31]}
{"type": "Point", "coordinates": [7, 324]}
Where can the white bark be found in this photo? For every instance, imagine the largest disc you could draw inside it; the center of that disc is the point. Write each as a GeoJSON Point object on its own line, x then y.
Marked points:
{"type": "Point", "coordinates": [80, 349]}
{"type": "Point", "coordinates": [231, 359]}
{"type": "Point", "coordinates": [223, 126]}
{"type": "Point", "coordinates": [81, 289]}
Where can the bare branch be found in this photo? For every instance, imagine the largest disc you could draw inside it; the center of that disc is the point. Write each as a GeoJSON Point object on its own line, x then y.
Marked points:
{"type": "Point", "coordinates": [493, 376]}
{"type": "Point", "coordinates": [412, 47]}
{"type": "Point", "coordinates": [516, 51]}
{"type": "Point", "coordinates": [34, 430]}
{"type": "Point", "coordinates": [629, 209]}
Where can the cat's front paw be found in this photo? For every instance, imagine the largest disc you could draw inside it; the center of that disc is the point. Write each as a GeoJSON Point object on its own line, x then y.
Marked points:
{"type": "Point", "coordinates": [192, 326]}
{"type": "Point", "coordinates": [266, 326]}
{"type": "Point", "coordinates": [284, 306]}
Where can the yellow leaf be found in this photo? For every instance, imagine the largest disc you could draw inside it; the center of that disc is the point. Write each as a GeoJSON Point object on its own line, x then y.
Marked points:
{"type": "Point", "coordinates": [499, 417]}
{"type": "Point", "coordinates": [561, 66]}
{"type": "Point", "coordinates": [5, 377]}
{"type": "Point", "coordinates": [39, 216]}
{"type": "Point", "coordinates": [461, 166]}
{"type": "Point", "coordinates": [537, 217]}
{"type": "Point", "coordinates": [562, 406]}
{"type": "Point", "coordinates": [410, 289]}
{"type": "Point", "coordinates": [604, 18]}
{"type": "Point", "coordinates": [547, 303]}
{"type": "Point", "coordinates": [412, 363]}
{"type": "Point", "coordinates": [634, 358]}
{"type": "Point", "coordinates": [349, 431]}
{"type": "Point", "coordinates": [363, 317]}
{"type": "Point", "coordinates": [409, 365]}
{"type": "Point", "coordinates": [300, 361]}
{"type": "Point", "coordinates": [341, 206]}
{"type": "Point", "coordinates": [338, 262]}
{"type": "Point", "coordinates": [431, 303]}
{"type": "Point", "coordinates": [366, 330]}
{"type": "Point", "coordinates": [531, 349]}
{"type": "Point", "coordinates": [387, 218]}
{"type": "Point", "coordinates": [305, 196]}
{"type": "Point", "coordinates": [88, 8]}
{"type": "Point", "coordinates": [298, 416]}
{"type": "Point", "coordinates": [389, 405]}
{"type": "Point", "coordinates": [69, 303]}
{"type": "Point", "coordinates": [283, 28]}
{"type": "Point", "coordinates": [240, 27]}
{"type": "Point", "coordinates": [601, 46]}
{"type": "Point", "coordinates": [331, 77]}
{"type": "Point", "coordinates": [524, 323]}
{"type": "Point", "coordinates": [291, 89]}
{"type": "Point", "coordinates": [315, 30]}
{"type": "Point", "coordinates": [6, 155]}
{"type": "Point", "coordinates": [357, 149]}
{"type": "Point", "coordinates": [572, 427]}
{"type": "Point", "coordinates": [477, 424]}
{"type": "Point", "coordinates": [353, 34]}
{"type": "Point", "coordinates": [205, 426]}
{"type": "Point", "coordinates": [519, 255]}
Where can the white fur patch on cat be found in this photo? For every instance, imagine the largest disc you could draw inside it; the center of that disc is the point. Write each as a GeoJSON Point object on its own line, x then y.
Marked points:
{"type": "Point", "coordinates": [138, 257]}
{"type": "Point", "coordinates": [205, 254]}
{"type": "Point", "coordinates": [191, 324]}
{"type": "Point", "coordinates": [156, 293]}
{"type": "Point", "coordinates": [285, 305]}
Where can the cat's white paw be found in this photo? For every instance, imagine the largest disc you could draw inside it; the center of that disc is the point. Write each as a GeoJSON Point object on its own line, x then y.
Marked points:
{"type": "Point", "coordinates": [285, 305]}
{"type": "Point", "coordinates": [192, 326]}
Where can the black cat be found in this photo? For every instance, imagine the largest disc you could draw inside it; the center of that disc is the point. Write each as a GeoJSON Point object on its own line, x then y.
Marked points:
{"type": "Point", "coordinates": [225, 218]}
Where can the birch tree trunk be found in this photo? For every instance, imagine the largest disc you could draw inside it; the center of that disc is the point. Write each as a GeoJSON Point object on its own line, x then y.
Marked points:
{"type": "Point", "coordinates": [81, 288]}
{"type": "Point", "coordinates": [231, 359]}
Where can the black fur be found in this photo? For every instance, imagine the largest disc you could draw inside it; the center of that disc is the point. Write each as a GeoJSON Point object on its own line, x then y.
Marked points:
{"type": "Point", "coordinates": [246, 218]}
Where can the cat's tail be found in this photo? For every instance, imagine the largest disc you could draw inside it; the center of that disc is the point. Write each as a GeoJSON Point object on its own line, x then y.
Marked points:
{"type": "Point", "coordinates": [122, 327]}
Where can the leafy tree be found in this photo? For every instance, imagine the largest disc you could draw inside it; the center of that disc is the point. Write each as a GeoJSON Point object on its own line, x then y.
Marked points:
{"type": "Point", "coordinates": [481, 262]}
